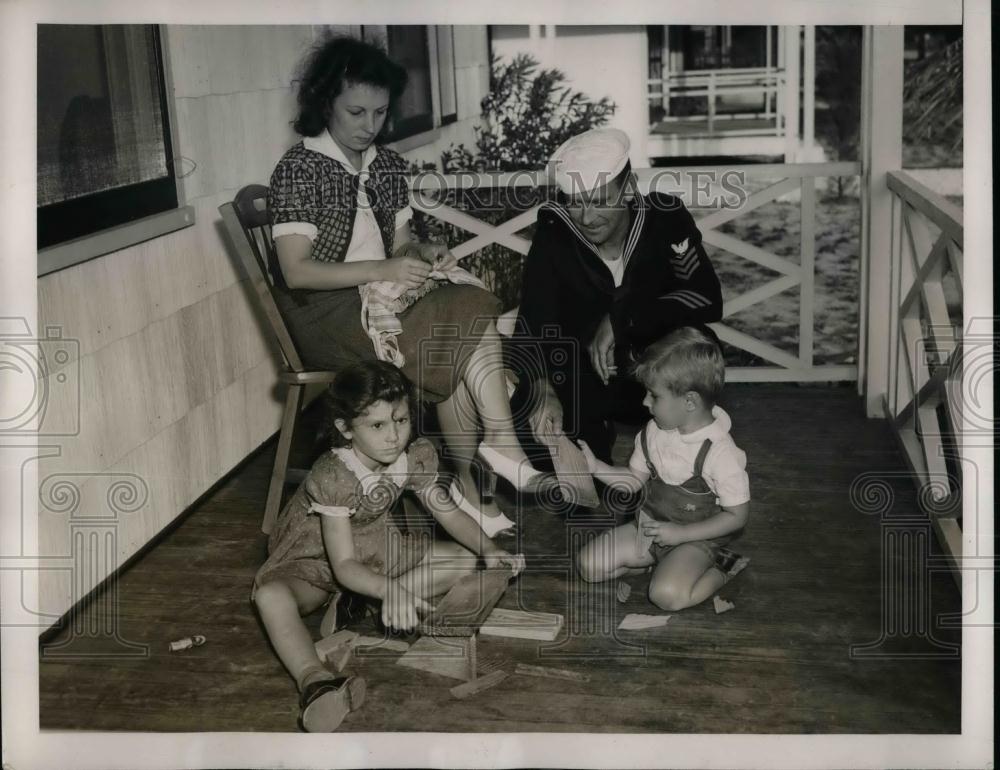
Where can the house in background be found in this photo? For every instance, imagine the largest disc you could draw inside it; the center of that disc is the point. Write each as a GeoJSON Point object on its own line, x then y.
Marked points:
{"type": "Point", "coordinates": [689, 91]}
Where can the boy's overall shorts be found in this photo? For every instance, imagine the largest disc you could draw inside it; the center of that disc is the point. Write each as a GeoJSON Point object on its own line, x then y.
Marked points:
{"type": "Point", "coordinates": [685, 503]}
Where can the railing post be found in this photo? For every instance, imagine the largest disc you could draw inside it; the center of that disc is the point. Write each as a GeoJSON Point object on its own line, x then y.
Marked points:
{"type": "Point", "coordinates": [711, 101]}
{"type": "Point", "coordinates": [881, 151]}
{"type": "Point", "coordinates": [807, 213]}
{"type": "Point", "coordinates": [791, 107]}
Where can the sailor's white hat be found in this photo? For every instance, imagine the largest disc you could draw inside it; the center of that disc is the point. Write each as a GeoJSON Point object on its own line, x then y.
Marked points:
{"type": "Point", "coordinates": [589, 160]}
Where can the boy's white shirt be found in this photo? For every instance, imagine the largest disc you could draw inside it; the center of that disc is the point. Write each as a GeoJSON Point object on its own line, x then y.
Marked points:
{"type": "Point", "coordinates": [673, 455]}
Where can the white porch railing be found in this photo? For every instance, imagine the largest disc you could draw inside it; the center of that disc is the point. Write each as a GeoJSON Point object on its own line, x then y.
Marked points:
{"type": "Point", "coordinates": [786, 366]}
{"type": "Point", "coordinates": [925, 368]}
{"type": "Point", "coordinates": [766, 82]}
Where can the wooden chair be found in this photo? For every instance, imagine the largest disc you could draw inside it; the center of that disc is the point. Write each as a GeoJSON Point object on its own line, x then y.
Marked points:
{"type": "Point", "coordinates": [249, 228]}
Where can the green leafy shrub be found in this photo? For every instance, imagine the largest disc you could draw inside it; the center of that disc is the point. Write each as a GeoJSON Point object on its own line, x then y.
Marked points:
{"type": "Point", "coordinates": [527, 114]}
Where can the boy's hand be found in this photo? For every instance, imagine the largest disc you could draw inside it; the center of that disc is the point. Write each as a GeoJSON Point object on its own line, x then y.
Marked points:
{"type": "Point", "coordinates": [399, 607]}
{"type": "Point", "coordinates": [664, 533]}
{"type": "Point", "coordinates": [588, 453]}
{"type": "Point", "coordinates": [497, 557]}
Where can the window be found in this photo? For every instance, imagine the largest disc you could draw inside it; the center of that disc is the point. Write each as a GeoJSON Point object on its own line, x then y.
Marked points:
{"type": "Point", "coordinates": [446, 74]}
{"type": "Point", "coordinates": [428, 56]}
{"type": "Point", "coordinates": [103, 138]}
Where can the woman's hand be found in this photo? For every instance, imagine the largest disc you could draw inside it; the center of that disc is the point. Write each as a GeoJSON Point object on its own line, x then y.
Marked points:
{"type": "Point", "coordinates": [496, 558]}
{"type": "Point", "coordinates": [409, 271]}
{"type": "Point", "coordinates": [664, 533]}
{"type": "Point", "coordinates": [437, 256]}
{"type": "Point", "coordinates": [399, 607]}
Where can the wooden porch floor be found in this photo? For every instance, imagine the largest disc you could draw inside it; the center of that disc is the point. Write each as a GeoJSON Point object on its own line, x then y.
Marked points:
{"type": "Point", "coordinates": [780, 662]}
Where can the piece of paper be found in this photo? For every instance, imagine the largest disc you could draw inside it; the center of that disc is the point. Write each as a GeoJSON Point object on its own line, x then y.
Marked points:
{"type": "Point", "coordinates": [636, 621]}
{"type": "Point", "coordinates": [721, 605]}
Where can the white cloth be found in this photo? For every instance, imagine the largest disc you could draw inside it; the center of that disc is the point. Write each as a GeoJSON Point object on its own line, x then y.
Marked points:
{"type": "Point", "coordinates": [673, 455]}
{"type": "Point", "coordinates": [366, 240]}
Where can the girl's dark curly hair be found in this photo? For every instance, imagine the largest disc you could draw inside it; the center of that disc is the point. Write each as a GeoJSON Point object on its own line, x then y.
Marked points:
{"type": "Point", "coordinates": [331, 65]}
{"type": "Point", "coordinates": [360, 385]}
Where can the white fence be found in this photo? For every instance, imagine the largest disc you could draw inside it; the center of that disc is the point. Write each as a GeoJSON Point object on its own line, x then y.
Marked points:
{"type": "Point", "coordinates": [785, 179]}
{"type": "Point", "coordinates": [924, 401]}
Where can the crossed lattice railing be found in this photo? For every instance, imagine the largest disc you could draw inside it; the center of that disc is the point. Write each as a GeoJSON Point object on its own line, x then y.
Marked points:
{"type": "Point", "coordinates": [795, 180]}
{"type": "Point", "coordinates": [924, 401]}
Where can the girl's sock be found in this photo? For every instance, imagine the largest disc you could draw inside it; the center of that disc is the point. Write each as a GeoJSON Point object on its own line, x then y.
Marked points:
{"type": "Point", "coordinates": [312, 674]}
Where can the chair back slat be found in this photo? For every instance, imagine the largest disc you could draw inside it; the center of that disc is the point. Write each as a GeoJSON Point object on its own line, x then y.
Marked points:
{"type": "Point", "coordinates": [251, 208]}
{"type": "Point", "coordinates": [244, 235]}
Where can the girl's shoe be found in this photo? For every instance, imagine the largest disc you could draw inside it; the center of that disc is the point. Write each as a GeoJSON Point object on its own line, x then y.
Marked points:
{"type": "Point", "coordinates": [491, 525]}
{"type": "Point", "coordinates": [325, 703]}
{"type": "Point", "coordinates": [730, 563]}
{"type": "Point", "coordinates": [520, 475]}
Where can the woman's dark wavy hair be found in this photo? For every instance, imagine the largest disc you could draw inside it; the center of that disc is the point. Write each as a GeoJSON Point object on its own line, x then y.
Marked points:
{"type": "Point", "coordinates": [331, 65]}
{"type": "Point", "coordinates": [357, 387]}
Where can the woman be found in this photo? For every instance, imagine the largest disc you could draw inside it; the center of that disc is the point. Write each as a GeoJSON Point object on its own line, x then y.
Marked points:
{"type": "Point", "coordinates": [340, 216]}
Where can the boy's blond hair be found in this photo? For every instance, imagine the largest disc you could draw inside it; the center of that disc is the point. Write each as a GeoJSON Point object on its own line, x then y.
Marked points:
{"type": "Point", "coordinates": [686, 359]}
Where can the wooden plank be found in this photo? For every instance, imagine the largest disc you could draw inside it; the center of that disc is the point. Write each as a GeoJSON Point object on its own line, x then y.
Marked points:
{"type": "Point", "coordinates": [445, 656]}
{"type": "Point", "coordinates": [574, 475]}
{"type": "Point", "coordinates": [379, 642]}
{"type": "Point", "coordinates": [750, 252]}
{"type": "Point", "coordinates": [929, 265]}
{"type": "Point", "coordinates": [464, 608]}
{"type": "Point", "coordinates": [755, 200]}
{"type": "Point", "coordinates": [759, 294]}
{"type": "Point", "coordinates": [519, 624]}
{"type": "Point", "coordinates": [938, 209]}
{"type": "Point", "coordinates": [478, 685]}
{"type": "Point", "coordinates": [333, 645]}
{"type": "Point", "coordinates": [753, 345]}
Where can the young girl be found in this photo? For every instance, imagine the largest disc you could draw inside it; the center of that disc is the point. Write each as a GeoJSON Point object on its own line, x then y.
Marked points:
{"type": "Point", "coordinates": [696, 493]}
{"type": "Point", "coordinates": [335, 534]}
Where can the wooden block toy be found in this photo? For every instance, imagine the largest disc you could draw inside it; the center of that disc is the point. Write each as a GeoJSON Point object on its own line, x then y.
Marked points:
{"type": "Point", "coordinates": [329, 645]}
{"type": "Point", "coordinates": [477, 685]}
{"type": "Point", "coordinates": [340, 657]}
{"type": "Point", "coordinates": [380, 643]}
{"type": "Point", "coordinates": [574, 476]}
{"type": "Point", "coordinates": [445, 656]}
{"type": "Point", "coordinates": [518, 624]}
{"type": "Point", "coordinates": [464, 608]}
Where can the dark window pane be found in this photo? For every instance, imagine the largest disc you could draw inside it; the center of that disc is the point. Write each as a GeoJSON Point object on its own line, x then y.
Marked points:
{"type": "Point", "coordinates": [446, 71]}
{"type": "Point", "coordinates": [103, 144]}
{"type": "Point", "coordinates": [407, 45]}
{"type": "Point", "coordinates": [99, 117]}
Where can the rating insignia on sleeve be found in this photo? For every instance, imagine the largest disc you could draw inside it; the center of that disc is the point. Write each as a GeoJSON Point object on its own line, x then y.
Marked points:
{"type": "Point", "coordinates": [684, 259]}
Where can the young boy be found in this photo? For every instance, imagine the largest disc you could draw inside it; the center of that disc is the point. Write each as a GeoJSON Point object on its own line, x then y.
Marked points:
{"type": "Point", "coordinates": [695, 489]}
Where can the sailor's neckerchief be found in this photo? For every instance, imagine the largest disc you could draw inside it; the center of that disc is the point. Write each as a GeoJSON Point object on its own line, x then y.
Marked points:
{"type": "Point", "coordinates": [631, 239]}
